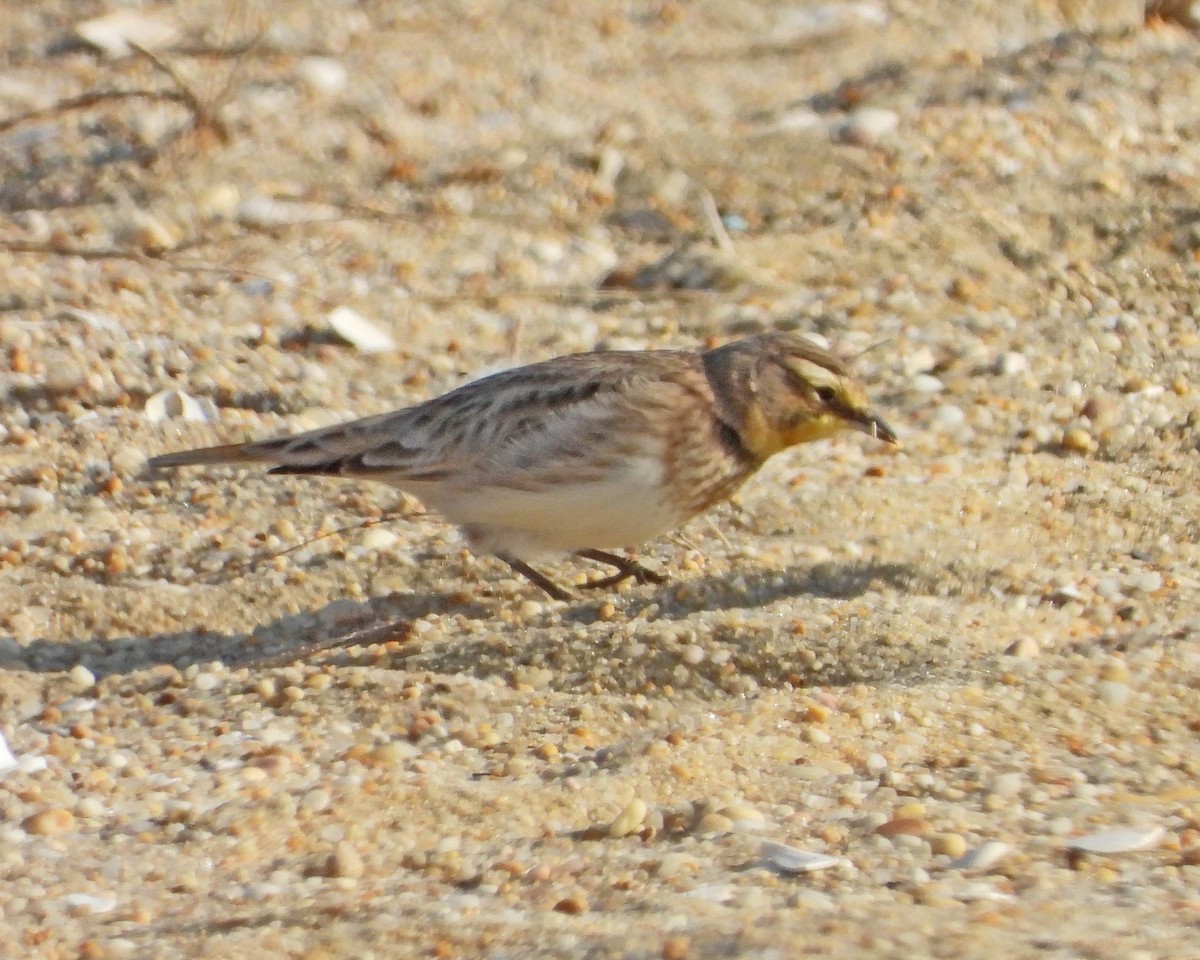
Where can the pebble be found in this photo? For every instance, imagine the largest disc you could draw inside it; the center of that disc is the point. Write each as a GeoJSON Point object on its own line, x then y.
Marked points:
{"type": "Point", "coordinates": [1026, 648]}
{"type": "Point", "coordinates": [49, 823]}
{"type": "Point", "coordinates": [1101, 411]}
{"type": "Point", "coordinates": [177, 405]}
{"type": "Point", "coordinates": [31, 499]}
{"type": "Point", "coordinates": [81, 678]}
{"type": "Point", "coordinates": [147, 232]}
{"type": "Point", "coordinates": [127, 461]}
{"type": "Point", "coordinates": [927, 383]}
{"type": "Point", "coordinates": [948, 416]}
{"type": "Point", "coordinates": [377, 538]}
{"type": "Point", "coordinates": [814, 900]}
{"type": "Point", "coordinates": [1008, 784]}
{"type": "Point", "coordinates": [572, 906]}
{"type": "Point", "coordinates": [219, 201]}
{"type": "Point", "coordinates": [1112, 693]}
{"type": "Point", "coordinates": [323, 75]}
{"type": "Point", "coordinates": [1077, 440]}
{"type": "Point", "coordinates": [1010, 364]}
{"type": "Point", "coordinates": [742, 813]}
{"type": "Point", "coordinates": [629, 821]}
{"type": "Point", "coordinates": [948, 844]}
{"type": "Point", "coordinates": [867, 126]}
{"type": "Point", "coordinates": [345, 862]}
{"type": "Point", "coordinates": [316, 800]}
{"type": "Point", "coordinates": [714, 823]}
{"type": "Point", "coordinates": [904, 826]}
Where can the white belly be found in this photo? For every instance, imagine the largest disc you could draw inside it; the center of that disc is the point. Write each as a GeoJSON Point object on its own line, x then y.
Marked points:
{"type": "Point", "coordinates": [559, 518]}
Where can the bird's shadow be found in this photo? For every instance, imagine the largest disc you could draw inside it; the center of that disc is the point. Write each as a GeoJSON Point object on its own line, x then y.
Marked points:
{"type": "Point", "coordinates": [278, 641]}
{"type": "Point", "coordinates": [830, 581]}
{"type": "Point", "coordinates": [384, 618]}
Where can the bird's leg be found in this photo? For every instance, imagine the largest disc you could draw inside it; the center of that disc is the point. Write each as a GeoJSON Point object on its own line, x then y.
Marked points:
{"type": "Point", "coordinates": [537, 579]}
{"type": "Point", "coordinates": [627, 569]}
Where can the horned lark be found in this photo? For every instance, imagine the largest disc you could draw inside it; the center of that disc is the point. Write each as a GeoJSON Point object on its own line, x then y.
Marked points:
{"type": "Point", "coordinates": [587, 453]}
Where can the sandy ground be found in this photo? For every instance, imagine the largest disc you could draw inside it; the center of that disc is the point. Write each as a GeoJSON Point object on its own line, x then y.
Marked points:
{"type": "Point", "coordinates": [939, 678]}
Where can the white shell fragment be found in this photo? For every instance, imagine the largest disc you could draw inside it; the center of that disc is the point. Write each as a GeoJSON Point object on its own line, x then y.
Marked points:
{"type": "Point", "coordinates": [7, 760]}
{"type": "Point", "coordinates": [1118, 840]}
{"type": "Point", "coordinates": [113, 33]}
{"type": "Point", "coordinates": [801, 24]}
{"type": "Point", "coordinates": [90, 902]}
{"type": "Point", "coordinates": [267, 213]}
{"type": "Point", "coordinates": [378, 539]}
{"type": "Point", "coordinates": [177, 405]}
{"type": "Point", "coordinates": [793, 860]}
{"type": "Point", "coordinates": [984, 856]}
{"type": "Point", "coordinates": [360, 332]}
{"type": "Point", "coordinates": [979, 892]}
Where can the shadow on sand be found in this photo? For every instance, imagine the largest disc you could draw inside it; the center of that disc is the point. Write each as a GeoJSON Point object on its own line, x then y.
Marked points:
{"type": "Point", "coordinates": [390, 618]}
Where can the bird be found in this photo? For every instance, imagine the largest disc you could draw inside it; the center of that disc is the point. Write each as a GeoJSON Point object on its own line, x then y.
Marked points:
{"type": "Point", "coordinates": [587, 453]}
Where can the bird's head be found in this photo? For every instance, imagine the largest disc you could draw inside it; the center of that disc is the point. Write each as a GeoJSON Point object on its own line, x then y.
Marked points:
{"type": "Point", "coordinates": [781, 389]}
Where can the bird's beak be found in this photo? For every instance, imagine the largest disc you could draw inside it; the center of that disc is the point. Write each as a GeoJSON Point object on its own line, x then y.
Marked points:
{"type": "Point", "coordinates": [870, 422]}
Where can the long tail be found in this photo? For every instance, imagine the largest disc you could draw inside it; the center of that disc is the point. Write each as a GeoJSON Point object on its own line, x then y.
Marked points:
{"type": "Point", "coordinates": [226, 453]}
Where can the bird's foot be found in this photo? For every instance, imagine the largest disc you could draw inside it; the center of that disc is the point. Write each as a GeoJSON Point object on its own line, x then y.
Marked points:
{"type": "Point", "coordinates": [627, 569]}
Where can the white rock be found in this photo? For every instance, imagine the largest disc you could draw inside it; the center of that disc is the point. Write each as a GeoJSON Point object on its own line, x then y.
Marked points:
{"type": "Point", "coordinates": [815, 900]}
{"type": "Point", "coordinates": [1113, 693]}
{"type": "Point", "coordinates": [266, 212]}
{"type": "Point", "coordinates": [1118, 840]}
{"type": "Point", "coordinates": [97, 321]}
{"type": "Point", "coordinates": [378, 538]}
{"type": "Point", "coordinates": [948, 416]}
{"type": "Point", "coordinates": [1147, 582]}
{"type": "Point", "coordinates": [359, 332]}
{"type": "Point", "coordinates": [81, 677]}
{"type": "Point", "coordinates": [982, 857]}
{"type": "Point", "coordinates": [866, 126]}
{"type": "Point", "coordinates": [1008, 784]}
{"type": "Point", "coordinates": [920, 360]}
{"type": "Point", "coordinates": [113, 33]}
{"type": "Point", "coordinates": [177, 405]}
{"type": "Point", "coordinates": [793, 860]}
{"type": "Point", "coordinates": [29, 498]}
{"type": "Point", "coordinates": [1010, 364]}
{"type": "Point", "coordinates": [219, 202]}
{"type": "Point", "coordinates": [126, 461]}
{"type": "Point", "coordinates": [323, 75]}
{"type": "Point", "coordinates": [796, 120]}
{"type": "Point", "coordinates": [90, 902]}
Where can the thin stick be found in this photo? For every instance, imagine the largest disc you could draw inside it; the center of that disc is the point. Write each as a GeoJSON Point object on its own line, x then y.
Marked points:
{"type": "Point", "coordinates": [716, 225]}
{"type": "Point", "coordinates": [203, 117]}
{"type": "Point", "coordinates": [398, 631]}
{"type": "Point", "coordinates": [83, 101]}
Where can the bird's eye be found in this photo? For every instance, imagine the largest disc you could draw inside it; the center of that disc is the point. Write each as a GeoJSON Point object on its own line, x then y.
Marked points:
{"type": "Point", "coordinates": [826, 395]}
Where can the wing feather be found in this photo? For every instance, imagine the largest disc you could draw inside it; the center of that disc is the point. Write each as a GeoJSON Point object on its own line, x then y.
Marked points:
{"type": "Point", "coordinates": [523, 427]}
